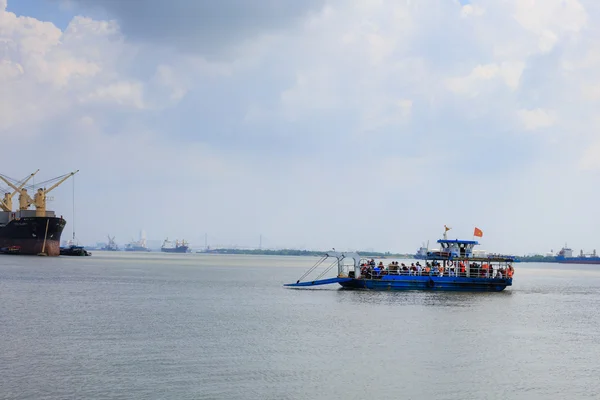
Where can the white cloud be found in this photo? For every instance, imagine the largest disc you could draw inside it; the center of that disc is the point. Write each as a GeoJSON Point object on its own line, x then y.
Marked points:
{"type": "Point", "coordinates": [472, 84]}
{"type": "Point", "coordinates": [469, 10]}
{"type": "Point", "coordinates": [362, 98]}
{"type": "Point", "coordinates": [590, 158]}
{"type": "Point", "coordinates": [10, 70]}
{"type": "Point", "coordinates": [560, 16]}
{"type": "Point", "coordinates": [536, 119]}
{"type": "Point", "coordinates": [123, 93]}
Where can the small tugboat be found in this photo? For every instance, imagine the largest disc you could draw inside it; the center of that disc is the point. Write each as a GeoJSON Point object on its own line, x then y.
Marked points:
{"type": "Point", "coordinates": [73, 250]}
{"type": "Point", "coordinates": [453, 268]}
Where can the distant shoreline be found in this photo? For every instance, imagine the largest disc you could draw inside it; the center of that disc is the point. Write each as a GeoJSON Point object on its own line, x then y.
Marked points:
{"type": "Point", "coordinates": [314, 253]}
{"type": "Point", "coordinates": [290, 252]}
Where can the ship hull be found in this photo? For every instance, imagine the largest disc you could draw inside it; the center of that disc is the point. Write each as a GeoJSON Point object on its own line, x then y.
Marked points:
{"type": "Point", "coordinates": [27, 234]}
{"type": "Point", "coordinates": [136, 248]}
{"type": "Point", "coordinates": [429, 283]}
{"type": "Point", "coordinates": [180, 249]}
{"type": "Point", "coordinates": [579, 260]}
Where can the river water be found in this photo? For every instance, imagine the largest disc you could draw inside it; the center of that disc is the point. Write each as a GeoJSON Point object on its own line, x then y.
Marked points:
{"type": "Point", "coordinates": [193, 326]}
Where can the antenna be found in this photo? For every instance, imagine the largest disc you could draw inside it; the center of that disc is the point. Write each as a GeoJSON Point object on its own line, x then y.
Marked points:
{"type": "Point", "coordinates": [73, 209]}
{"type": "Point", "coordinates": [260, 243]}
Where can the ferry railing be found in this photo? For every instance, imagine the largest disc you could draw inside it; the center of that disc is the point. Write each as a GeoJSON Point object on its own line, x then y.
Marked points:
{"type": "Point", "coordinates": [496, 272]}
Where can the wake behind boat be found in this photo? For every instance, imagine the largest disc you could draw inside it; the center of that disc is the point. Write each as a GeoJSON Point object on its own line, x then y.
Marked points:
{"type": "Point", "coordinates": [452, 268]}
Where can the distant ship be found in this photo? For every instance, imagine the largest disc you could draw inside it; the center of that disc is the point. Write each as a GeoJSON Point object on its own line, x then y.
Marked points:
{"type": "Point", "coordinates": [136, 246]}
{"type": "Point", "coordinates": [180, 247]}
{"type": "Point", "coordinates": [421, 254]}
{"type": "Point", "coordinates": [139, 245]}
{"type": "Point", "coordinates": [111, 246]}
{"type": "Point", "coordinates": [25, 231]}
{"type": "Point", "coordinates": [565, 256]}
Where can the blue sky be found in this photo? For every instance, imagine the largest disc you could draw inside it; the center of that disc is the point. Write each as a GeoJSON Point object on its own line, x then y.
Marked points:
{"type": "Point", "coordinates": [317, 124]}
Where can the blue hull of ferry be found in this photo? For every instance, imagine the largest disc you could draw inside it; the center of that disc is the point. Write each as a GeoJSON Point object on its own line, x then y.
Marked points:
{"type": "Point", "coordinates": [444, 283]}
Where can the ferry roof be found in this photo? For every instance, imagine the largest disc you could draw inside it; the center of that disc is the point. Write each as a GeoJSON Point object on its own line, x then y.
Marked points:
{"type": "Point", "coordinates": [458, 241]}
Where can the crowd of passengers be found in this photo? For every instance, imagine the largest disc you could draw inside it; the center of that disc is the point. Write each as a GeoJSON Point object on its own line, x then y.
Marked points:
{"type": "Point", "coordinates": [372, 270]}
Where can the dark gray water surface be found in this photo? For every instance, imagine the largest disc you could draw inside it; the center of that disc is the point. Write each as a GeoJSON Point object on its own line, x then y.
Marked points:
{"type": "Point", "coordinates": [159, 326]}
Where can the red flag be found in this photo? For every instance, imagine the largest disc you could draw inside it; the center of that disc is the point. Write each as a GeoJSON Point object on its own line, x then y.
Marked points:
{"type": "Point", "coordinates": [478, 232]}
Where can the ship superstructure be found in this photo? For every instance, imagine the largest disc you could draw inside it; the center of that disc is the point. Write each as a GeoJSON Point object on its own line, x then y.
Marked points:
{"type": "Point", "coordinates": [27, 231]}
{"type": "Point", "coordinates": [421, 254]}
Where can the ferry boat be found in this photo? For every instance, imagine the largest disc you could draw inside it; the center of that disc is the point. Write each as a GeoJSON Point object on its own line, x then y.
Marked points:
{"type": "Point", "coordinates": [453, 268]}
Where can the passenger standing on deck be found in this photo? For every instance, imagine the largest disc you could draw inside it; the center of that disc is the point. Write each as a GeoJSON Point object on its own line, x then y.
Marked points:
{"type": "Point", "coordinates": [405, 269]}
{"type": "Point", "coordinates": [485, 271]}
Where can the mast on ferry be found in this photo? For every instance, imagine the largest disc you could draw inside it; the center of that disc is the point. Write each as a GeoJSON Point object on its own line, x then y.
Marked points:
{"type": "Point", "coordinates": [446, 229]}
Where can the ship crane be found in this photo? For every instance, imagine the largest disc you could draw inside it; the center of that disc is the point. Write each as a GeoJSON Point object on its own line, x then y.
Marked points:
{"type": "Point", "coordinates": [39, 199]}
{"type": "Point", "coordinates": [6, 203]}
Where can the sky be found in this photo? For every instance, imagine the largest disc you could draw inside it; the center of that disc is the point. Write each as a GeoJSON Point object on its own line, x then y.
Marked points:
{"type": "Point", "coordinates": [316, 124]}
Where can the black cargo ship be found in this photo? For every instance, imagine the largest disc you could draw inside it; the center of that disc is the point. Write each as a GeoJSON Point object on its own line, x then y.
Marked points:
{"type": "Point", "coordinates": [30, 232]}
{"type": "Point", "coordinates": [22, 232]}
